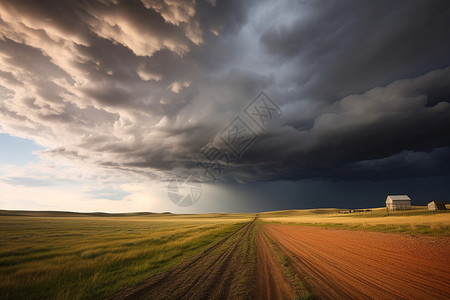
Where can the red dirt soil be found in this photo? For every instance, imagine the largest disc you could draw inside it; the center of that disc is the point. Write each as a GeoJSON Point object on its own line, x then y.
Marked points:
{"type": "Point", "coordinates": [340, 264]}
{"type": "Point", "coordinates": [217, 273]}
{"type": "Point", "coordinates": [270, 279]}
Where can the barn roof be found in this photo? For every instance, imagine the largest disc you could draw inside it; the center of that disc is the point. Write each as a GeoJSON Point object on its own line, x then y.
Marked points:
{"type": "Point", "coordinates": [438, 202]}
{"type": "Point", "coordinates": [398, 197]}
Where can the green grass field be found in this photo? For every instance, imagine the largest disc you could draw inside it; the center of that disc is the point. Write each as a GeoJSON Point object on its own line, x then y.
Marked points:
{"type": "Point", "coordinates": [76, 256]}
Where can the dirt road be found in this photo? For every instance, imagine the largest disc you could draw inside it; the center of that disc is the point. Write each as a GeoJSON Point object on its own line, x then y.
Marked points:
{"type": "Point", "coordinates": [271, 280]}
{"type": "Point", "coordinates": [243, 265]}
{"type": "Point", "coordinates": [340, 264]}
{"type": "Point", "coordinates": [268, 261]}
{"type": "Point", "coordinates": [219, 272]}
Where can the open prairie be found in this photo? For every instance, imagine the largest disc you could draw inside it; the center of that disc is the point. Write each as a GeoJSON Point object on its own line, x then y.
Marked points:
{"type": "Point", "coordinates": [57, 255]}
{"type": "Point", "coordinates": [299, 254]}
{"type": "Point", "coordinates": [416, 221]}
{"type": "Point", "coordinates": [198, 108]}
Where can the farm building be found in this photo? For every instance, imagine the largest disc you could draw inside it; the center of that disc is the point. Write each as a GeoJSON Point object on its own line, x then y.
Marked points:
{"type": "Point", "coordinates": [398, 202]}
{"type": "Point", "coordinates": [436, 205]}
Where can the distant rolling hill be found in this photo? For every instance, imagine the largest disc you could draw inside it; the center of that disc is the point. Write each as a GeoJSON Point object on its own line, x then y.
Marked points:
{"type": "Point", "coordinates": [30, 213]}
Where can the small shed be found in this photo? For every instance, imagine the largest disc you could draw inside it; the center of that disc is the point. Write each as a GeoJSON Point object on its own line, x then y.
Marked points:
{"type": "Point", "coordinates": [398, 202]}
{"type": "Point", "coordinates": [436, 205]}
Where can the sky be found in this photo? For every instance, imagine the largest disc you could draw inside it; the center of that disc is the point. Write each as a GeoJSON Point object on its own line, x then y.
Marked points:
{"type": "Point", "coordinates": [196, 106]}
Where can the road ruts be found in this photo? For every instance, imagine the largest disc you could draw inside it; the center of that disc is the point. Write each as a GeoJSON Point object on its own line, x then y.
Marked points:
{"type": "Point", "coordinates": [211, 275]}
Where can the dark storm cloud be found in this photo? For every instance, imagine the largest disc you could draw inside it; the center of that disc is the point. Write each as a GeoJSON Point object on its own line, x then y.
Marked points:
{"type": "Point", "coordinates": [351, 46]}
{"type": "Point", "coordinates": [383, 122]}
{"type": "Point", "coordinates": [142, 86]}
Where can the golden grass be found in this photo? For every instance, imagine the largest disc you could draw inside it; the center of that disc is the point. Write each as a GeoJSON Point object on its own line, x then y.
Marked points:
{"type": "Point", "coordinates": [418, 220]}
{"type": "Point", "coordinates": [84, 257]}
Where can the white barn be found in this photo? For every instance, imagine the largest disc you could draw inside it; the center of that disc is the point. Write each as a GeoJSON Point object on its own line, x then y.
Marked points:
{"type": "Point", "coordinates": [436, 205]}
{"type": "Point", "coordinates": [398, 202]}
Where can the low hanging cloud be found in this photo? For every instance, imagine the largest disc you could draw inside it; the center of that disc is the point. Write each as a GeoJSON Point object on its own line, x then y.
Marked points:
{"type": "Point", "coordinates": [383, 122]}
{"type": "Point", "coordinates": [140, 87]}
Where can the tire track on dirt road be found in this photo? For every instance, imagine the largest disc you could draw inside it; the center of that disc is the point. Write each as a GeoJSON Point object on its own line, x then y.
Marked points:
{"type": "Point", "coordinates": [243, 265]}
{"type": "Point", "coordinates": [341, 264]}
{"type": "Point", "coordinates": [213, 274]}
{"type": "Point", "coordinates": [270, 277]}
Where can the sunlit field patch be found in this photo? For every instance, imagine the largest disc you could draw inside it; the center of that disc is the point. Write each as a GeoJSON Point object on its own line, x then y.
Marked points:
{"type": "Point", "coordinates": [79, 257]}
{"type": "Point", "coordinates": [416, 221]}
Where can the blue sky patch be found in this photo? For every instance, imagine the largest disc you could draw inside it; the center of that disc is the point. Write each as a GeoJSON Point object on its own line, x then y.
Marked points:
{"type": "Point", "coordinates": [109, 193]}
{"type": "Point", "coordinates": [17, 151]}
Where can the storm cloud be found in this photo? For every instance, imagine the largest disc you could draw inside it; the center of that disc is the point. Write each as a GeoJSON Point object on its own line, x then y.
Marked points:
{"type": "Point", "coordinates": [143, 86]}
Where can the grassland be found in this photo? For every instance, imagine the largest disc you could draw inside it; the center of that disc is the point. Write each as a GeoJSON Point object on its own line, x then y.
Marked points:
{"type": "Point", "coordinates": [223, 271]}
{"type": "Point", "coordinates": [80, 256]}
{"type": "Point", "coordinates": [416, 221]}
{"type": "Point", "coordinates": [62, 255]}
